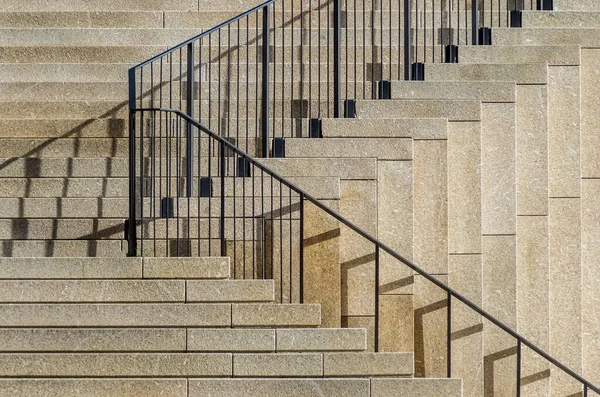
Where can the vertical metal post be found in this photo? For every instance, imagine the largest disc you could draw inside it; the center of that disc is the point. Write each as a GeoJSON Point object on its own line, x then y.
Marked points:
{"type": "Point", "coordinates": [222, 220]}
{"type": "Point", "coordinates": [475, 22]}
{"type": "Point", "coordinates": [266, 59]}
{"type": "Point", "coordinates": [301, 288]}
{"type": "Point", "coordinates": [449, 337]}
{"type": "Point", "coordinates": [337, 58]}
{"type": "Point", "coordinates": [376, 337]}
{"type": "Point", "coordinates": [190, 112]}
{"type": "Point", "coordinates": [131, 232]}
{"type": "Point", "coordinates": [407, 40]}
{"type": "Point", "coordinates": [518, 367]}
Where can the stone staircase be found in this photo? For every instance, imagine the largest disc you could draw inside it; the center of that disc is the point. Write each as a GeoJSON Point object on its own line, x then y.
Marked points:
{"type": "Point", "coordinates": [496, 157]}
{"type": "Point", "coordinates": [178, 327]}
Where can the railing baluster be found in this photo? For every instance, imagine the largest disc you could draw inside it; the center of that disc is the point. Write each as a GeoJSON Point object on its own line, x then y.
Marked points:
{"type": "Point", "coordinates": [475, 22]}
{"type": "Point", "coordinates": [407, 40]}
{"type": "Point", "coordinates": [337, 60]}
{"type": "Point", "coordinates": [131, 232]}
{"type": "Point", "coordinates": [449, 337]}
{"type": "Point", "coordinates": [189, 187]}
{"type": "Point", "coordinates": [266, 58]}
{"type": "Point", "coordinates": [301, 234]}
{"type": "Point", "coordinates": [376, 337]}
{"type": "Point", "coordinates": [222, 219]}
{"type": "Point", "coordinates": [518, 367]}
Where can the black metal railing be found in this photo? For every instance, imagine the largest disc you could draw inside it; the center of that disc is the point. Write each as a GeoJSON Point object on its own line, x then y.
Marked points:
{"type": "Point", "coordinates": [260, 221]}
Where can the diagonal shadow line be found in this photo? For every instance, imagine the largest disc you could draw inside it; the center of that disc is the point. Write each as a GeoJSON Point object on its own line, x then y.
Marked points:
{"type": "Point", "coordinates": [463, 333]}
{"type": "Point", "coordinates": [419, 336]}
{"type": "Point", "coordinates": [488, 368]}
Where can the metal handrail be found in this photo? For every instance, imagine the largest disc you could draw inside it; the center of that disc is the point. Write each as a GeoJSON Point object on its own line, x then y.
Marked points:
{"type": "Point", "coordinates": [381, 246]}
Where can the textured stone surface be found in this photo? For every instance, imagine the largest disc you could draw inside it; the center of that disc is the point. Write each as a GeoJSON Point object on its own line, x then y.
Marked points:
{"type": "Point", "coordinates": [92, 291]}
{"type": "Point", "coordinates": [321, 339]}
{"type": "Point", "coordinates": [564, 231]}
{"type": "Point", "coordinates": [395, 224]}
{"type": "Point", "coordinates": [519, 73]}
{"type": "Point", "coordinates": [464, 187]}
{"type": "Point", "coordinates": [322, 271]}
{"type": "Point", "coordinates": [63, 248]}
{"type": "Point", "coordinates": [70, 268]}
{"type": "Point", "coordinates": [337, 167]}
{"type": "Point", "coordinates": [554, 55]}
{"type": "Point", "coordinates": [465, 276]}
{"type": "Point", "coordinates": [385, 128]}
{"type": "Point", "coordinates": [367, 323]}
{"type": "Point", "coordinates": [483, 91]}
{"type": "Point", "coordinates": [396, 323]}
{"type": "Point", "coordinates": [231, 340]}
{"type": "Point", "coordinates": [498, 192]}
{"type": "Point", "coordinates": [416, 387]}
{"type": "Point", "coordinates": [94, 387]}
{"type": "Point", "coordinates": [564, 123]}
{"type": "Point", "coordinates": [371, 364]}
{"type": "Point", "coordinates": [590, 274]}
{"type": "Point", "coordinates": [278, 365]}
{"type": "Point", "coordinates": [358, 203]}
{"type": "Point", "coordinates": [230, 291]}
{"type": "Point", "coordinates": [211, 268]}
{"type": "Point", "coordinates": [83, 5]}
{"type": "Point", "coordinates": [279, 387]}
{"type": "Point", "coordinates": [532, 295]}
{"type": "Point", "coordinates": [430, 206]}
{"type": "Point", "coordinates": [116, 364]}
{"type": "Point", "coordinates": [97, 340]}
{"type": "Point", "coordinates": [108, 315]}
{"type": "Point", "coordinates": [106, 19]}
{"type": "Point", "coordinates": [561, 19]}
{"type": "Point", "coordinates": [590, 103]}
{"type": "Point", "coordinates": [276, 315]}
{"type": "Point", "coordinates": [532, 150]}
{"type": "Point", "coordinates": [500, 300]}
{"type": "Point", "coordinates": [380, 148]}
{"type": "Point", "coordinates": [452, 110]}
{"type": "Point", "coordinates": [557, 36]}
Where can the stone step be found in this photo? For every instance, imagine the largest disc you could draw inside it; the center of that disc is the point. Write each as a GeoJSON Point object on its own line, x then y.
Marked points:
{"type": "Point", "coordinates": [385, 128]}
{"type": "Point", "coordinates": [523, 73]}
{"type": "Point", "coordinates": [83, 268]}
{"type": "Point", "coordinates": [93, 340]}
{"type": "Point", "coordinates": [160, 315]}
{"type": "Point", "coordinates": [64, 248]}
{"type": "Point", "coordinates": [344, 168]}
{"type": "Point", "coordinates": [585, 37]}
{"type": "Point", "coordinates": [496, 54]}
{"type": "Point", "coordinates": [579, 5]}
{"type": "Point", "coordinates": [298, 340]}
{"type": "Point", "coordinates": [562, 19]}
{"type": "Point", "coordinates": [380, 148]}
{"type": "Point", "coordinates": [144, 291]}
{"type": "Point", "coordinates": [453, 110]}
{"type": "Point", "coordinates": [449, 90]}
{"type": "Point", "coordinates": [157, 387]}
{"type": "Point", "coordinates": [78, 53]}
{"type": "Point", "coordinates": [326, 387]}
{"type": "Point", "coordinates": [98, 5]}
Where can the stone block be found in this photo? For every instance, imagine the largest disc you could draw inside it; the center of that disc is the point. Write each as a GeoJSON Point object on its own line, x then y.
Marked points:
{"type": "Point", "coordinates": [464, 187]}
{"type": "Point", "coordinates": [94, 387]}
{"type": "Point", "coordinates": [70, 268]}
{"type": "Point", "coordinates": [468, 90]}
{"type": "Point", "coordinates": [230, 290]}
{"type": "Point", "coordinates": [97, 340]}
{"type": "Point", "coordinates": [385, 128]}
{"type": "Point", "coordinates": [532, 150]}
{"type": "Point", "coordinates": [396, 323]}
{"type": "Point", "coordinates": [430, 319]}
{"type": "Point", "coordinates": [335, 167]}
{"type": "Point", "coordinates": [510, 72]}
{"type": "Point", "coordinates": [279, 387]}
{"type": "Point", "coordinates": [453, 110]}
{"type": "Point", "coordinates": [276, 315]}
{"type": "Point", "coordinates": [278, 365]}
{"type": "Point", "coordinates": [367, 323]}
{"type": "Point", "coordinates": [430, 206]}
{"type": "Point", "coordinates": [115, 315]}
{"type": "Point", "coordinates": [358, 204]}
{"type": "Point", "coordinates": [79, 291]}
{"type": "Point", "coordinates": [416, 387]}
{"type": "Point", "coordinates": [297, 340]}
{"type": "Point", "coordinates": [564, 128]}
{"type": "Point", "coordinates": [116, 365]}
{"type": "Point", "coordinates": [188, 268]}
{"type": "Point", "coordinates": [380, 148]}
{"type": "Point", "coordinates": [367, 364]}
{"type": "Point", "coordinates": [553, 55]}
{"type": "Point", "coordinates": [498, 192]}
{"type": "Point", "coordinates": [565, 290]}
{"type": "Point", "coordinates": [590, 103]}
{"type": "Point", "coordinates": [231, 340]}
{"type": "Point", "coordinates": [395, 224]}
